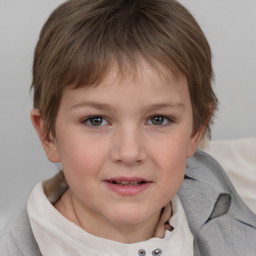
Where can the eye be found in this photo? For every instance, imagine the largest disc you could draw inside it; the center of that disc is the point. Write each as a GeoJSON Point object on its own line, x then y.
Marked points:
{"type": "Point", "coordinates": [96, 121]}
{"type": "Point", "coordinates": [159, 120]}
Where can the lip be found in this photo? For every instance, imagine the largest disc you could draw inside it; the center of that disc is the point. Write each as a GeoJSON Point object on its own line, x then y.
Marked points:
{"type": "Point", "coordinates": [129, 189]}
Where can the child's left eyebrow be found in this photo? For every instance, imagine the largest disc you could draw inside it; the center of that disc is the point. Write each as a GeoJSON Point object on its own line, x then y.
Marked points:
{"type": "Point", "coordinates": [177, 105]}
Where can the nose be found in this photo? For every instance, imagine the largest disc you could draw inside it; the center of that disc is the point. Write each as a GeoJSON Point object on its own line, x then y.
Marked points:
{"type": "Point", "coordinates": [128, 147]}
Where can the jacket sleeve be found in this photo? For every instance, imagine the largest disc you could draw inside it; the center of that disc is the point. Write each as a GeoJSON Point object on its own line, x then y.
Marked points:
{"type": "Point", "coordinates": [18, 239]}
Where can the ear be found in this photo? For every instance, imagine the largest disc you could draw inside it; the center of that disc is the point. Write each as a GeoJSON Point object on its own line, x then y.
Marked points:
{"type": "Point", "coordinates": [48, 142]}
{"type": "Point", "coordinates": [195, 140]}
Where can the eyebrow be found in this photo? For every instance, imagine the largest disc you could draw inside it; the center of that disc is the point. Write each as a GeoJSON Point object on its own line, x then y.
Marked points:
{"type": "Point", "coordinates": [104, 106]}
{"type": "Point", "coordinates": [100, 106]}
{"type": "Point", "coordinates": [175, 105]}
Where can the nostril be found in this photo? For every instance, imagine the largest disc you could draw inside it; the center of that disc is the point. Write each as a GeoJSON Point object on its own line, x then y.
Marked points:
{"type": "Point", "coordinates": [127, 148]}
{"type": "Point", "coordinates": [130, 157]}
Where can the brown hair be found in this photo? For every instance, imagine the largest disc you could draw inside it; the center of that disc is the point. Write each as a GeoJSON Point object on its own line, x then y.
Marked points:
{"type": "Point", "coordinates": [83, 38]}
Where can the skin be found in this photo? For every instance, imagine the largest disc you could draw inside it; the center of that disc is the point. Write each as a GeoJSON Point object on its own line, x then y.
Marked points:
{"type": "Point", "coordinates": [143, 131]}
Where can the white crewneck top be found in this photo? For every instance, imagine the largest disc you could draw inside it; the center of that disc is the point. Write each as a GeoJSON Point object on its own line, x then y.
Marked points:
{"type": "Point", "coordinates": [56, 235]}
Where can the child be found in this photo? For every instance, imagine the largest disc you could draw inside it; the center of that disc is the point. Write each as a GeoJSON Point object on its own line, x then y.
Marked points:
{"type": "Point", "coordinates": [122, 98]}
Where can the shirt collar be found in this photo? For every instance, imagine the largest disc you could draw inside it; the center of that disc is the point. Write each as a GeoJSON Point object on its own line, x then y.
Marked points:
{"type": "Point", "coordinates": [56, 235]}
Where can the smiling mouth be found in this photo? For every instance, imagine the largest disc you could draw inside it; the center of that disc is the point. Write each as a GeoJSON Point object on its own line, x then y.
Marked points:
{"type": "Point", "coordinates": [128, 186]}
{"type": "Point", "coordinates": [127, 183]}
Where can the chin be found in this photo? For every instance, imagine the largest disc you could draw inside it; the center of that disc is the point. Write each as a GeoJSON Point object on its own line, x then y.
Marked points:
{"type": "Point", "coordinates": [131, 216]}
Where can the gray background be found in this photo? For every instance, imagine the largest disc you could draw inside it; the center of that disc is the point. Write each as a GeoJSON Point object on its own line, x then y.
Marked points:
{"type": "Point", "coordinates": [230, 26]}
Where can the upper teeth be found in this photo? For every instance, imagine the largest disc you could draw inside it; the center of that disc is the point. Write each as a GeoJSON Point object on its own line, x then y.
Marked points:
{"type": "Point", "coordinates": [125, 183]}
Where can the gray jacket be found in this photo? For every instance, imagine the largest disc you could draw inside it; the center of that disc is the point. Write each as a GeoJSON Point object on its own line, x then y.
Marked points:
{"type": "Point", "coordinates": [221, 223]}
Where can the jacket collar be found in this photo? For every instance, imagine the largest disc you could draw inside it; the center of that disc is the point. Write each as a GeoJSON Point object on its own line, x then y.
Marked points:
{"type": "Point", "coordinates": [207, 193]}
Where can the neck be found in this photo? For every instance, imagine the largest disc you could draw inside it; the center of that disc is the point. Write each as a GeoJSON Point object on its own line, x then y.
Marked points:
{"type": "Point", "coordinates": [119, 232]}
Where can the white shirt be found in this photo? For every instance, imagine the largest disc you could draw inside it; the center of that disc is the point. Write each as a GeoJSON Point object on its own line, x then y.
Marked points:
{"type": "Point", "coordinates": [56, 235]}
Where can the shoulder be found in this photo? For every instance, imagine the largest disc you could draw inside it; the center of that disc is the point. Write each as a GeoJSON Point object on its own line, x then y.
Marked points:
{"type": "Point", "coordinates": [203, 168]}
{"type": "Point", "coordinates": [215, 211]}
{"type": "Point", "coordinates": [205, 183]}
{"type": "Point", "coordinates": [18, 239]}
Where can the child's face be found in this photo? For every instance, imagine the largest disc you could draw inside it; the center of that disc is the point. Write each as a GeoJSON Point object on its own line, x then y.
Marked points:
{"type": "Point", "coordinates": [124, 144]}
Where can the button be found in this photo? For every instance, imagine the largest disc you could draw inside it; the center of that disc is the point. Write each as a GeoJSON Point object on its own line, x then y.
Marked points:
{"type": "Point", "coordinates": [157, 252]}
{"type": "Point", "coordinates": [141, 252]}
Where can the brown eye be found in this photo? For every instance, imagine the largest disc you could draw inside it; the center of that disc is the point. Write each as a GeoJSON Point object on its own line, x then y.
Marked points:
{"type": "Point", "coordinates": [96, 121]}
{"type": "Point", "coordinates": [159, 120]}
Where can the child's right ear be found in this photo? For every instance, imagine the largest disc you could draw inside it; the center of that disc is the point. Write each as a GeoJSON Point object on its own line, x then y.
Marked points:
{"type": "Point", "coordinates": [48, 142]}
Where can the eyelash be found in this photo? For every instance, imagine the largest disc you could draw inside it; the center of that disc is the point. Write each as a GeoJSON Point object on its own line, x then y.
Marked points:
{"type": "Point", "coordinates": [167, 120]}
{"type": "Point", "coordinates": [88, 121]}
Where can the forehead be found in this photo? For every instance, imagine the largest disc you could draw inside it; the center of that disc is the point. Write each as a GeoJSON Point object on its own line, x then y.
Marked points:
{"type": "Point", "coordinates": [127, 67]}
{"type": "Point", "coordinates": [143, 85]}
{"type": "Point", "coordinates": [127, 71]}
{"type": "Point", "coordinates": [143, 72]}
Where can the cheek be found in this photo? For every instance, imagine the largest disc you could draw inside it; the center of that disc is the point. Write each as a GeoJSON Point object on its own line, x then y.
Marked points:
{"type": "Point", "coordinates": [170, 159]}
{"type": "Point", "coordinates": [81, 156]}
{"type": "Point", "coordinates": [81, 165]}
{"type": "Point", "coordinates": [171, 178]}
{"type": "Point", "coordinates": [173, 169]}
{"type": "Point", "coordinates": [172, 150]}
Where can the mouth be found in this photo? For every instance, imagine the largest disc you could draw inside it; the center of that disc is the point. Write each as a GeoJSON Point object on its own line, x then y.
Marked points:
{"type": "Point", "coordinates": [127, 183]}
{"type": "Point", "coordinates": [128, 186]}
